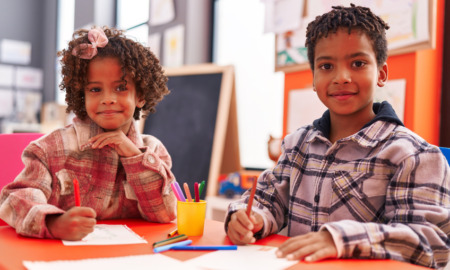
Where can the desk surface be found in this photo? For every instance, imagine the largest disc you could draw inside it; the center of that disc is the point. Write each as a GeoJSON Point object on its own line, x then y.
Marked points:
{"type": "Point", "coordinates": [14, 248]}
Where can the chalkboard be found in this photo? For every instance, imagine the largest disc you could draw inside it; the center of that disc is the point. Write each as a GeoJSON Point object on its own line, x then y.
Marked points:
{"type": "Point", "coordinates": [193, 123]}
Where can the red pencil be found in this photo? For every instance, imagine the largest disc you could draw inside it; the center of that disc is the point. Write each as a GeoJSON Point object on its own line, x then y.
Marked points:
{"type": "Point", "coordinates": [250, 200]}
{"type": "Point", "coordinates": [76, 189]}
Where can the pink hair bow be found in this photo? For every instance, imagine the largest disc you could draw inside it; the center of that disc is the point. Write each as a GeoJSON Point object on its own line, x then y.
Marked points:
{"type": "Point", "coordinates": [97, 38]}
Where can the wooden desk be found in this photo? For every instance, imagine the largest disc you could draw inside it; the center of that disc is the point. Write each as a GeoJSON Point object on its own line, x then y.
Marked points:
{"type": "Point", "coordinates": [14, 248]}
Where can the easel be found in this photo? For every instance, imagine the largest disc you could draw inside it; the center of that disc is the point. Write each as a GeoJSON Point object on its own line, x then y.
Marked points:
{"type": "Point", "coordinates": [225, 156]}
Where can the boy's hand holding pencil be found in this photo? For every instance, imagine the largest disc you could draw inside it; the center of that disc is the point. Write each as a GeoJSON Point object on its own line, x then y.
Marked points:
{"type": "Point", "coordinates": [245, 223]}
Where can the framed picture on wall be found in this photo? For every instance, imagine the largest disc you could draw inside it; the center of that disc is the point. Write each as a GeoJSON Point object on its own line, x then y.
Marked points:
{"type": "Point", "coordinates": [412, 28]}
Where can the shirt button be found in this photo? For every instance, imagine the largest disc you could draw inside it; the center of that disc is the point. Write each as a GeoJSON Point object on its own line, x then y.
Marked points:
{"type": "Point", "coordinates": [151, 159]}
{"type": "Point", "coordinates": [316, 198]}
{"type": "Point", "coordinates": [330, 158]}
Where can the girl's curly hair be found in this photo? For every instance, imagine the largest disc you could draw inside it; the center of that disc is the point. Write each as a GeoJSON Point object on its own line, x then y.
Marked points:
{"type": "Point", "coordinates": [353, 17]}
{"type": "Point", "coordinates": [136, 60]}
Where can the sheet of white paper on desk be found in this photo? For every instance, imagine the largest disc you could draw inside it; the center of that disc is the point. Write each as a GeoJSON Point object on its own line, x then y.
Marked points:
{"type": "Point", "coordinates": [138, 262]}
{"type": "Point", "coordinates": [104, 234]}
{"type": "Point", "coordinates": [250, 257]}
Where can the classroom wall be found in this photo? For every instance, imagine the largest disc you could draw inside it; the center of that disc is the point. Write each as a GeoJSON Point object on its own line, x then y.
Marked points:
{"type": "Point", "coordinates": [35, 22]}
{"type": "Point", "coordinates": [423, 73]}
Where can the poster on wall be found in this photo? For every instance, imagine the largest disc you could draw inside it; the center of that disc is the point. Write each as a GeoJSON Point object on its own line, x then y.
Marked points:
{"type": "Point", "coordinates": [412, 27]}
{"type": "Point", "coordinates": [6, 75]}
{"type": "Point", "coordinates": [394, 93]}
{"type": "Point", "coordinates": [173, 46]}
{"type": "Point", "coordinates": [15, 52]}
{"type": "Point", "coordinates": [29, 78]}
{"type": "Point", "coordinates": [161, 12]}
{"type": "Point", "coordinates": [6, 102]}
{"type": "Point", "coordinates": [154, 42]}
{"type": "Point", "coordinates": [28, 105]}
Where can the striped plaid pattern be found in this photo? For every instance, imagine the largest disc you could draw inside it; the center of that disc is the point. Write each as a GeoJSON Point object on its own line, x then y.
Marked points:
{"type": "Point", "coordinates": [114, 187]}
{"type": "Point", "coordinates": [382, 193]}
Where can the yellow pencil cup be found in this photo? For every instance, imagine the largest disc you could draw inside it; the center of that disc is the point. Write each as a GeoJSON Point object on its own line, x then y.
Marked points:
{"type": "Point", "coordinates": [191, 217]}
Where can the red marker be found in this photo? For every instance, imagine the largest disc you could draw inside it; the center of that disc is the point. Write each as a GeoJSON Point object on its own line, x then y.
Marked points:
{"type": "Point", "coordinates": [76, 189]}
{"type": "Point", "coordinates": [197, 194]}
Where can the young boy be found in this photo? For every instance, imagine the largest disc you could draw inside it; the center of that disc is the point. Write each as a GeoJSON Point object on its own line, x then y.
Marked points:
{"type": "Point", "coordinates": [356, 183]}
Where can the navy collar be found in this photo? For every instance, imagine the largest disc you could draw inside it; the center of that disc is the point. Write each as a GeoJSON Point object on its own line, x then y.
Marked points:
{"type": "Point", "coordinates": [383, 112]}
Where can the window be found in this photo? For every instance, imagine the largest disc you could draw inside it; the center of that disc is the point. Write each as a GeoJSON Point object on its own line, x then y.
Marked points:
{"type": "Point", "coordinates": [239, 40]}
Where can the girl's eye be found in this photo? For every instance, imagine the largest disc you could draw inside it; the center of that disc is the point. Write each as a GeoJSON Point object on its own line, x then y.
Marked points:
{"type": "Point", "coordinates": [359, 64]}
{"type": "Point", "coordinates": [121, 87]}
{"type": "Point", "coordinates": [95, 90]}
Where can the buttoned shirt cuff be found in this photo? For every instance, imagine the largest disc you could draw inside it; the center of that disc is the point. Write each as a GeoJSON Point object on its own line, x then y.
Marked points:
{"type": "Point", "coordinates": [337, 238]}
{"type": "Point", "coordinates": [148, 159]}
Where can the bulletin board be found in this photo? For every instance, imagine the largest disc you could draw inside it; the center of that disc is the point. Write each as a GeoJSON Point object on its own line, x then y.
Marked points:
{"type": "Point", "coordinates": [412, 27]}
{"type": "Point", "coordinates": [197, 123]}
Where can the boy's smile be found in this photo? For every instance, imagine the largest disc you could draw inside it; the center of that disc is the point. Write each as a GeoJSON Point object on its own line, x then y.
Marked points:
{"type": "Point", "coordinates": [346, 75]}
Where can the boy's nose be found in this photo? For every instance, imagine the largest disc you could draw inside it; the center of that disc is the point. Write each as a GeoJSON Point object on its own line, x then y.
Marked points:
{"type": "Point", "coordinates": [342, 76]}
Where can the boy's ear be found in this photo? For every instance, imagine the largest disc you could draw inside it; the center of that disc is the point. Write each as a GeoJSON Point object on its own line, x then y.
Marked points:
{"type": "Point", "coordinates": [382, 75]}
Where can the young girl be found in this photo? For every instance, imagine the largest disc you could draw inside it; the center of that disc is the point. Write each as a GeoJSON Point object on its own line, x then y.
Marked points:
{"type": "Point", "coordinates": [109, 79]}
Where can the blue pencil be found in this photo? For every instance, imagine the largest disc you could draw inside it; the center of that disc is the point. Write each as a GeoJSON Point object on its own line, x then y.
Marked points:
{"type": "Point", "coordinates": [167, 247]}
{"type": "Point", "coordinates": [205, 248]}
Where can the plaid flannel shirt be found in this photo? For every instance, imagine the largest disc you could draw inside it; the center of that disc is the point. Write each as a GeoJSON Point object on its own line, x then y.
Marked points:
{"type": "Point", "coordinates": [382, 193]}
{"type": "Point", "coordinates": [115, 187]}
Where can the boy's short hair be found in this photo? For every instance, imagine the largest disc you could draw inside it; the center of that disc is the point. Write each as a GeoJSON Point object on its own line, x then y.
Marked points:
{"type": "Point", "coordinates": [353, 17]}
{"type": "Point", "coordinates": [136, 60]}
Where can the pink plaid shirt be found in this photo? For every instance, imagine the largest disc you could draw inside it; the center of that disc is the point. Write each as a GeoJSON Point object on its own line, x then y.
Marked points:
{"type": "Point", "coordinates": [115, 187]}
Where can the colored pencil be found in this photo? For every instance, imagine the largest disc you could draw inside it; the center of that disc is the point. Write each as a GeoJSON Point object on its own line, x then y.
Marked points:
{"type": "Point", "coordinates": [172, 233]}
{"type": "Point", "coordinates": [188, 193]}
{"type": "Point", "coordinates": [175, 191]}
{"type": "Point", "coordinates": [250, 200]}
{"type": "Point", "coordinates": [205, 248]}
{"type": "Point", "coordinates": [172, 240]}
{"type": "Point", "coordinates": [167, 247]}
{"type": "Point", "coordinates": [177, 186]}
{"type": "Point", "coordinates": [76, 189]}
{"type": "Point", "coordinates": [200, 189]}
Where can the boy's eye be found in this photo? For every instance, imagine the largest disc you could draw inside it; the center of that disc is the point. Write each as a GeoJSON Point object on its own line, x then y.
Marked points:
{"type": "Point", "coordinates": [359, 64]}
{"type": "Point", "coordinates": [325, 66]}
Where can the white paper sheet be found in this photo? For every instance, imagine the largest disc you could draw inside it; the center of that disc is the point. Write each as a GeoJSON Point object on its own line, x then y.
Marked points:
{"type": "Point", "coordinates": [15, 52]}
{"type": "Point", "coordinates": [161, 12]}
{"type": "Point", "coordinates": [29, 78]}
{"type": "Point", "coordinates": [394, 93]}
{"type": "Point", "coordinates": [173, 55]}
{"type": "Point", "coordinates": [104, 234]}
{"type": "Point", "coordinates": [282, 15]}
{"type": "Point", "coordinates": [154, 42]}
{"type": "Point", "coordinates": [250, 257]}
{"type": "Point", "coordinates": [304, 107]}
{"type": "Point", "coordinates": [6, 75]}
{"type": "Point", "coordinates": [6, 102]}
{"type": "Point", "coordinates": [144, 262]}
